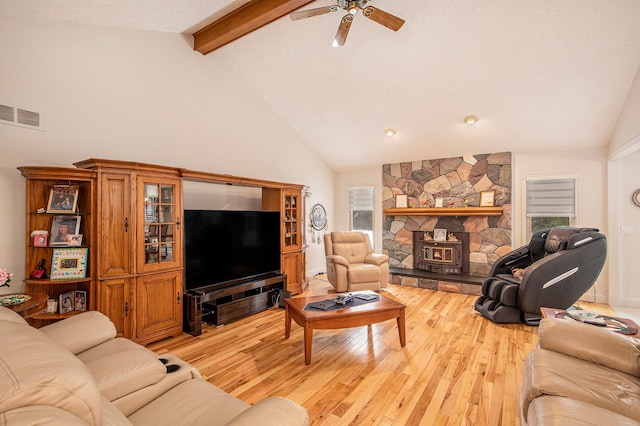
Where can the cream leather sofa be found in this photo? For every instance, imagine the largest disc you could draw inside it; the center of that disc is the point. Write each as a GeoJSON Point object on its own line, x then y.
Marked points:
{"type": "Point", "coordinates": [581, 374]}
{"type": "Point", "coordinates": [76, 372]}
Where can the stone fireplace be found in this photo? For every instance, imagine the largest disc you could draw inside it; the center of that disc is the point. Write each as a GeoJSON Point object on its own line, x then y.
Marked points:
{"type": "Point", "coordinates": [457, 182]}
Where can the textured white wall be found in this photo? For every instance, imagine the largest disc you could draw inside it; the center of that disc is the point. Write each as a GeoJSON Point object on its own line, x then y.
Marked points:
{"type": "Point", "coordinates": [628, 291]}
{"type": "Point", "coordinates": [136, 96]}
{"type": "Point", "coordinates": [624, 179]}
{"type": "Point", "coordinates": [628, 126]}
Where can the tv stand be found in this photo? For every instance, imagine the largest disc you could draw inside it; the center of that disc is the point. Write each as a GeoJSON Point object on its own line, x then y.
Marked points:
{"type": "Point", "coordinates": [230, 303]}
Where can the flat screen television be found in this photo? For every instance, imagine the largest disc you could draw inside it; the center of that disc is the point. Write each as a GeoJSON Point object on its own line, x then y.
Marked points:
{"type": "Point", "coordinates": [224, 246]}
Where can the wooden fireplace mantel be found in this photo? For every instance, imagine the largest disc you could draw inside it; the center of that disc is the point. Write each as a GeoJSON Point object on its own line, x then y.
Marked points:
{"type": "Point", "coordinates": [444, 211]}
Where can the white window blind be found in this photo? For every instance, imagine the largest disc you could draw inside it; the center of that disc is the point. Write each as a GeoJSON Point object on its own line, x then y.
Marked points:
{"type": "Point", "coordinates": [552, 197]}
{"type": "Point", "coordinates": [361, 199]}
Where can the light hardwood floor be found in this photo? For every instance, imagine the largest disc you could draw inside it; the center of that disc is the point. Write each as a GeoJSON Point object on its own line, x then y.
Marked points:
{"type": "Point", "coordinates": [457, 367]}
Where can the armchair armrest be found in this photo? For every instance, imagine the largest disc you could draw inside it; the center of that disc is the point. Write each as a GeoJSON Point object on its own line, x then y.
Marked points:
{"type": "Point", "coordinates": [376, 258]}
{"type": "Point", "coordinates": [518, 258]}
{"type": "Point", "coordinates": [337, 259]}
{"type": "Point", "coordinates": [81, 332]}
{"type": "Point", "coordinates": [276, 411]}
{"type": "Point", "coordinates": [590, 343]}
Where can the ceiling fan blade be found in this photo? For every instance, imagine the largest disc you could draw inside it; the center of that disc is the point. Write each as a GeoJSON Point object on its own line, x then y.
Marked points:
{"type": "Point", "coordinates": [343, 30]}
{"type": "Point", "coordinates": [300, 14]}
{"type": "Point", "coordinates": [384, 18]}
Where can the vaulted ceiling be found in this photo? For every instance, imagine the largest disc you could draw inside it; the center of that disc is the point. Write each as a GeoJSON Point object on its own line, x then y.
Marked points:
{"type": "Point", "coordinates": [541, 75]}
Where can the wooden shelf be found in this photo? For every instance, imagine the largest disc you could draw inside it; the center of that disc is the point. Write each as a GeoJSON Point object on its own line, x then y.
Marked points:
{"type": "Point", "coordinates": [47, 281]}
{"type": "Point", "coordinates": [56, 316]}
{"type": "Point", "coordinates": [443, 211]}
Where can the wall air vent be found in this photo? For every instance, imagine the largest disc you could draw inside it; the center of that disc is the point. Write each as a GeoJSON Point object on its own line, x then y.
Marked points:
{"type": "Point", "coordinates": [21, 117]}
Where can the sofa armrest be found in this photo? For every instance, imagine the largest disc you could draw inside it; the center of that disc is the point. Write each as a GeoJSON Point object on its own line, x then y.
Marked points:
{"type": "Point", "coordinates": [272, 411]}
{"type": "Point", "coordinates": [337, 259]}
{"type": "Point", "coordinates": [376, 258]}
{"type": "Point", "coordinates": [591, 343]}
{"type": "Point", "coordinates": [81, 332]}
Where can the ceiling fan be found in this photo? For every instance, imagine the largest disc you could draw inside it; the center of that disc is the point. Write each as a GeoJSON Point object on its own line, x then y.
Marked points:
{"type": "Point", "coordinates": [381, 17]}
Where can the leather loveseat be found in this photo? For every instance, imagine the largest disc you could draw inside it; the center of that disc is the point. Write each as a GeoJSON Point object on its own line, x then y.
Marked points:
{"type": "Point", "coordinates": [76, 372]}
{"type": "Point", "coordinates": [581, 374]}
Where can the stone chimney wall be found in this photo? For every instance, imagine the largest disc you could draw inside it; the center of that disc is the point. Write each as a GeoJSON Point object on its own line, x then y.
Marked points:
{"type": "Point", "coordinates": [459, 181]}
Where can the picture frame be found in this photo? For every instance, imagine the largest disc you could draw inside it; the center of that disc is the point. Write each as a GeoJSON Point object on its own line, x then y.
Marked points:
{"type": "Point", "coordinates": [439, 202]}
{"type": "Point", "coordinates": [52, 306]}
{"type": "Point", "coordinates": [66, 302]}
{"type": "Point", "coordinates": [63, 227]}
{"type": "Point", "coordinates": [63, 199]}
{"type": "Point", "coordinates": [487, 198]}
{"type": "Point", "coordinates": [69, 263]}
{"type": "Point", "coordinates": [439, 234]}
{"type": "Point", "coordinates": [402, 201]}
{"type": "Point", "coordinates": [75, 240]}
{"type": "Point", "coordinates": [80, 300]}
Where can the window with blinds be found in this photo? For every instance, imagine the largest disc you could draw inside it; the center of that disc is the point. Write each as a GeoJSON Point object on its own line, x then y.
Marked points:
{"type": "Point", "coordinates": [550, 202]}
{"type": "Point", "coordinates": [361, 207]}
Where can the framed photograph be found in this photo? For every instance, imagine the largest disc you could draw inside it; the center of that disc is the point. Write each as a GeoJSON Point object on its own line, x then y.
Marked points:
{"type": "Point", "coordinates": [75, 240]}
{"type": "Point", "coordinates": [69, 263]}
{"type": "Point", "coordinates": [52, 306]}
{"type": "Point", "coordinates": [62, 230]}
{"type": "Point", "coordinates": [80, 300]}
{"type": "Point", "coordinates": [66, 302]}
{"type": "Point", "coordinates": [402, 201]}
{"type": "Point", "coordinates": [487, 198]}
{"type": "Point", "coordinates": [439, 234]}
{"type": "Point", "coordinates": [63, 199]}
{"type": "Point", "coordinates": [439, 202]}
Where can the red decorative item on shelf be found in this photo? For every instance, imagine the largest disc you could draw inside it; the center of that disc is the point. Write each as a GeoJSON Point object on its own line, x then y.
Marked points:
{"type": "Point", "coordinates": [40, 238]}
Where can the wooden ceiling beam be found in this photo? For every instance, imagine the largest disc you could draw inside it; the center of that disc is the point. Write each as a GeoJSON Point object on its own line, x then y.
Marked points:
{"type": "Point", "coordinates": [241, 21]}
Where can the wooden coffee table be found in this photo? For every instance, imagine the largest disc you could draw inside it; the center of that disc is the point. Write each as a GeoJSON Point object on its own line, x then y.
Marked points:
{"type": "Point", "coordinates": [383, 309]}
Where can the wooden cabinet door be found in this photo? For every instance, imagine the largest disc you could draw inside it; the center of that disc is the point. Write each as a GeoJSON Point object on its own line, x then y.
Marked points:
{"type": "Point", "coordinates": [158, 306]}
{"type": "Point", "coordinates": [292, 266]}
{"type": "Point", "coordinates": [159, 224]}
{"type": "Point", "coordinates": [115, 302]}
{"type": "Point", "coordinates": [115, 225]}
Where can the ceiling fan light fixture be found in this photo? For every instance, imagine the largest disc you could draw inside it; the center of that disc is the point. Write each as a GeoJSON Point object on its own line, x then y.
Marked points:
{"type": "Point", "coordinates": [390, 132]}
{"type": "Point", "coordinates": [471, 119]}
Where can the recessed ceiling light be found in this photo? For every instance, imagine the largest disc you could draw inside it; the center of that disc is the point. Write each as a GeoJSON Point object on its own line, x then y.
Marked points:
{"type": "Point", "coordinates": [389, 132]}
{"type": "Point", "coordinates": [470, 119]}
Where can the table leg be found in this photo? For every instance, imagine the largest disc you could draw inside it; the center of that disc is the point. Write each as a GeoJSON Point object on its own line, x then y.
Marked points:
{"type": "Point", "coordinates": [308, 339]}
{"type": "Point", "coordinates": [287, 322]}
{"type": "Point", "coordinates": [401, 330]}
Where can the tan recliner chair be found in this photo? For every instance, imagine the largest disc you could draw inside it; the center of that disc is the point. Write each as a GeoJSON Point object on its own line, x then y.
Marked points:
{"type": "Point", "coordinates": [351, 263]}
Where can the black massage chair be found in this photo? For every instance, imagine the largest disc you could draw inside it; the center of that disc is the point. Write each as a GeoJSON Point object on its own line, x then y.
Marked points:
{"type": "Point", "coordinates": [560, 264]}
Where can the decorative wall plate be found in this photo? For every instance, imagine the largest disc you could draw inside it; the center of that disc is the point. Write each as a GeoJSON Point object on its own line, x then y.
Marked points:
{"type": "Point", "coordinates": [318, 217]}
{"type": "Point", "coordinates": [14, 299]}
{"type": "Point", "coordinates": [636, 197]}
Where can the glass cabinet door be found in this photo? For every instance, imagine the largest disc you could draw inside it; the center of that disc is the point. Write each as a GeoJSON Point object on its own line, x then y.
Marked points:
{"type": "Point", "coordinates": [291, 223]}
{"type": "Point", "coordinates": [161, 223]}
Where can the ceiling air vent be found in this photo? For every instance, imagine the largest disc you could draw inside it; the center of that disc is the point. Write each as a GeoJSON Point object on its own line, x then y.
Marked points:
{"type": "Point", "coordinates": [7, 113]}
{"type": "Point", "coordinates": [21, 117]}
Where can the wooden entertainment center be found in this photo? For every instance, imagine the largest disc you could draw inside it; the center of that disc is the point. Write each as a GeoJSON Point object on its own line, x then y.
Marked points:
{"type": "Point", "coordinates": [130, 218]}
